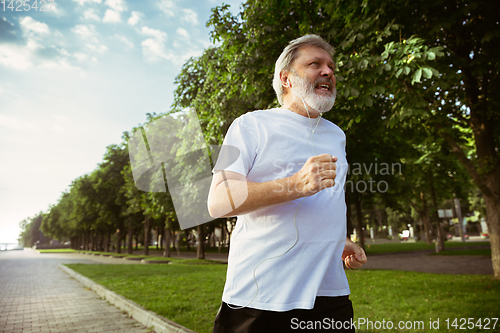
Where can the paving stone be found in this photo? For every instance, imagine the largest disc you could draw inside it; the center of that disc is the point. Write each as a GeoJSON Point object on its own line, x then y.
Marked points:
{"type": "Point", "coordinates": [36, 296]}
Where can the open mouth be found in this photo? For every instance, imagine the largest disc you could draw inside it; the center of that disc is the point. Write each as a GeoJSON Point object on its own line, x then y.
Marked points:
{"type": "Point", "coordinates": [323, 87]}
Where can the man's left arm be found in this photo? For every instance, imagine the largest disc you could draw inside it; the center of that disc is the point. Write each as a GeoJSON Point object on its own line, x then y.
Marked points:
{"type": "Point", "coordinates": [354, 256]}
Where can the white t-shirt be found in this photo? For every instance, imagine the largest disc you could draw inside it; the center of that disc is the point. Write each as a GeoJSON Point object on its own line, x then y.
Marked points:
{"type": "Point", "coordinates": [275, 144]}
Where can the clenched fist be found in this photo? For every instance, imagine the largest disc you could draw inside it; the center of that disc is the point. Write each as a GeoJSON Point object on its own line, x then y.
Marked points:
{"type": "Point", "coordinates": [318, 173]}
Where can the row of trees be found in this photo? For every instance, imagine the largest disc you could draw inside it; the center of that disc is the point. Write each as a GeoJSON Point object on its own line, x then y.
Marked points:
{"type": "Point", "coordinates": [416, 82]}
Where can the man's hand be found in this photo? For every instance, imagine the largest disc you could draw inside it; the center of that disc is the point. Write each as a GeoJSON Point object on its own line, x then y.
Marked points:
{"type": "Point", "coordinates": [318, 173]}
{"type": "Point", "coordinates": [353, 255]}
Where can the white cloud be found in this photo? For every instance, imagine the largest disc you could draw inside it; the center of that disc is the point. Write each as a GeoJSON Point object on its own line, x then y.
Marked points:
{"type": "Point", "coordinates": [183, 33]}
{"type": "Point", "coordinates": [89, 34]}
{"type": "Point", "coordinates": [91, 14]}
{"type": "Point", "coordinates": [158, 34]}
{"type": "Point", "coordinates": [154, 50]}
{"type": "Point", "coordinates": [31, 27]}
{"type": "Point", "coordinates": [21, 57]}
{"type": "Point", "coordinates": [55, 9]}
{"type": "Point", "coordinates": [117, 5]}
{"type": "Point", "coordinates": [182, 58]}
{"type": "Point", "coordinates": [80, 56]}
{"type": "Point", "coordinates": [134, 18]}
{"type": "Point", "coordinates": [60, 64]}
{"type": "Point", "coordinates": [111, 16]}
{"type": "Point", "coordinates": [84, 31]}
{"type": "Point", "coordinates": [97, 48]}
{"type": "Point", "coordinates": [126, 41]}
{"type": "Point", "coordinates": [82, 2]}
{"type": "Point", "coordinates": [167, 7]}
{"type": "Point", "coordinates": [190, 16]}
{"type": "Point", "coordinates": [38, 38]}
{"type": "Point", "coordinates": [16, 57]}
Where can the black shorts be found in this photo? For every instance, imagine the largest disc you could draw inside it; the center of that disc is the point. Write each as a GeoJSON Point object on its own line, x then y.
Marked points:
{"type": "Point", "coordinates": [330, 314]}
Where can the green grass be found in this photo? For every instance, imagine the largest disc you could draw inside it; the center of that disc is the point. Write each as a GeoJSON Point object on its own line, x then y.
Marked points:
{"type": "Point", "coordinates": [187, 294]}
{"type": "Point", "coordinates": [191, 294]}
{"type": "Point", "coordinates": [411, 296]}
{"type": "Point", "coordinates": [57, 251]}
{"type": "Point", "coordinates": [174, 260]}
{"type": "Point", "coordinates": [403, 247]}
{"type": "Point", "coordinates": [182, 249]}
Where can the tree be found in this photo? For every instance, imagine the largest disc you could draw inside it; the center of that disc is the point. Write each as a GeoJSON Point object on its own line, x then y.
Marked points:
{"type": "Point", "coordinates": [462, 102]}
{"type": "Point", "coordinates": [432, 63]}
{"type": "Point", "coordinates": [109, 182]}
{"type": "Point", "coordinates": [31, 234]}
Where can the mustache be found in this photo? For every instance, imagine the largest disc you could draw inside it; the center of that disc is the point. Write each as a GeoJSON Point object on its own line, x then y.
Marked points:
{"type": "Point", "coordinates": [320, 81]}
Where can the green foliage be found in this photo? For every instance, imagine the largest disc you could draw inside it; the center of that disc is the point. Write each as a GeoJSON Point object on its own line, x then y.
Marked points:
{"type": "Point", "coordinates": [417, 86]}
{"type": "Point", "coordinates": [31, 233]}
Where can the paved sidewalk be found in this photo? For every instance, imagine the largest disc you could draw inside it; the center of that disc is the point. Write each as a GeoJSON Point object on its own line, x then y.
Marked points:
{"type": "Point", "coordinates": [36, 296]}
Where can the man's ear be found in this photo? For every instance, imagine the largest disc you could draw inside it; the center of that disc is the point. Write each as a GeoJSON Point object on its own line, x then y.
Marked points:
{"type": "Point", "coordinates": [285, 81]}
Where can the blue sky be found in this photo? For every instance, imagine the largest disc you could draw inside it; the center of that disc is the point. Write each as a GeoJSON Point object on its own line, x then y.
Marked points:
{"type": "Point", "coordinates": [74, 78]}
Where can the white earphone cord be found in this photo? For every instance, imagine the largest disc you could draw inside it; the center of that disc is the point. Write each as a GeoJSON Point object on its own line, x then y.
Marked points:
{"type": "Point", "coordinates": [311, 135]}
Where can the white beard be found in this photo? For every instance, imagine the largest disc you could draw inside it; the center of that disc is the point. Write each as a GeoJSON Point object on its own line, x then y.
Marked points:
{"type": "Point", "coordinates": [305, 90]}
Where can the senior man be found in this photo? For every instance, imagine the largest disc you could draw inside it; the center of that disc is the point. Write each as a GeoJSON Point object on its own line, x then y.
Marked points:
{"type": "Point", "coordinates": [285, 271]}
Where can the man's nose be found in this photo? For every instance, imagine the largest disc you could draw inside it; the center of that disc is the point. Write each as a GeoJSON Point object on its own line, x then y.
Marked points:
{"type": "Point", "coordinates": [327, 72]}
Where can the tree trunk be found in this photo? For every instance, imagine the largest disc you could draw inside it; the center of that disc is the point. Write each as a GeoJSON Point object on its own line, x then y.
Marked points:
{"type": "Point", "coordinates": [101, 241]}
{"type": "Point", "coordinates": [85, 240]}
{"type": "Point", "coordinates": [108, 241]}
{"type": "Point", "coordinates": [439, 228]}
{"type": "Point", "coordinates": [359, 215]}
{"type": "Point", "coordinates": [201, 243]}
{"type": "Point", "coordinates": [161, 235]}
{"type": "Point", "coordinates": [157, 239]}
{"type": "Point", "coordinates": [130, 235]}
{"type": "Point", "coordinates": [166, 251]}
{"type": "Point", "coordinates": [487, 176]}
{"type": "Point", "coordinates": [188, 236]}
{"type": "Point", "coordinates": [493, 222]}
{"type": "Point", "coordinates": [222, 237]}
{"type": "Point", "coordinates": [348, 215]}
{"type": "Point", "coordinates": [425, 219]}
{"type": "Point", "coordinates": [146, 235]}
{"type": "Point", "coordinates": [118, 242]}
{"type": "Point", "coordinates": [378, 215]}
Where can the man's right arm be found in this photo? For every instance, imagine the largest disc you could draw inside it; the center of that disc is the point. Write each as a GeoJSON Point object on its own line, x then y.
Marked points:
{"type": "Point", "coordinates": [231, 194]}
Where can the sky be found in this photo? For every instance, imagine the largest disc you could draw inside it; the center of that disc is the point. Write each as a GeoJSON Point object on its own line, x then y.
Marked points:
{"type": "Point", "coordinates": [73, 78]}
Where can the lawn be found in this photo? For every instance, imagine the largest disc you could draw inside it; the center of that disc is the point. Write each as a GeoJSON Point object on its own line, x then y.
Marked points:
{"type": "Point", "coordinates": [187, 294]}
{"type": "Point", "coordinates": [57, 251]}
{"type": "Point", "coordinates": [183, 248]}
{"type": "Point", "coordinates": [190, 294]}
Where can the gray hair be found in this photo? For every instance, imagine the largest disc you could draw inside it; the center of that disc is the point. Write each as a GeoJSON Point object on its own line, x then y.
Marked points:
{"type": "Point", "coordinates": [287, 57]}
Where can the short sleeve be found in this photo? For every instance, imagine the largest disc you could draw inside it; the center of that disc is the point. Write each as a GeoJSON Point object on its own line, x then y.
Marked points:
{"type": "Point", "coordinates": [238, 136]}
